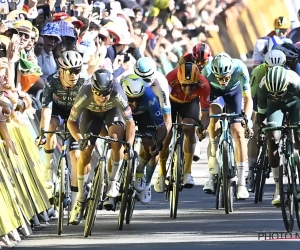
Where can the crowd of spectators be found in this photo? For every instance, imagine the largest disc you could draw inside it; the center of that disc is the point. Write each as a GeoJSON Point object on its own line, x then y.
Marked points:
{"type": "Point", "coordinates": [109, 34]}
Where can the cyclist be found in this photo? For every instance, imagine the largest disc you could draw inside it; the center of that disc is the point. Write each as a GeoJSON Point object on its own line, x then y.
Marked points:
{"type": "Point", "coordinates": [229, 82]}
{"type": "Point", "coordinates": [102, 101]}
{"type": "Point", "coordinates": [278, 92]}
{"type": "Point", "coordinates": [146, 113]}
{"type": "Point", "coordinates": [200, 56]}
{"type": "Point", "coordinates": [272, 58]}
{"type": "Point", "coordinates": [146, 69]}
{"type": "Point", "coordinates": [58, 98]}
{"type": "Point", "coordinates": [292, 56]}
{"type": "Point", "coordinates": [281, 29]}
{"type": "Point", "coordinates": [187, 87]}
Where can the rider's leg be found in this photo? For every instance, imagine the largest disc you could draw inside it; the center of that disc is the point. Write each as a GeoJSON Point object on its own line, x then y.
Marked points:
{"type": "Point", "coordinates": [50, 145]}
{"type": "Point", "coordinates": [74, 155]}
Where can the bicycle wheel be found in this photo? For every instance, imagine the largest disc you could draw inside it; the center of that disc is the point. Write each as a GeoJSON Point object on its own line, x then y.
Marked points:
{"type": "Point", "coordinates": [297, 183]}
{"type": "Point", "coordinates": [259, 172]}
{"type": "Point", "coordinates": [219, 193]}
{"type": "Point", "coordinates": [227, 189]}
{"type": "Point", "coordinates": [61, 195]}
{"type": "Point", "coordinates": [97, 189]}
{"type": "Point", "coordinates": [131, 194]}
{"type": "Point", "coordinates": [286, 194]}
{"type": "Point", "coordinates": [124, 199]}
{"type": "Point", "coordinates": [176, 181]}
{"type": "Point", "coordinates": [263, 179]}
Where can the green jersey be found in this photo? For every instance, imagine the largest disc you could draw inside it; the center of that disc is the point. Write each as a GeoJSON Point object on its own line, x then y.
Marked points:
{"type": "Point", "coordinates": [257, 74]}
{"type": "Point", "coordinates": [292, 94]}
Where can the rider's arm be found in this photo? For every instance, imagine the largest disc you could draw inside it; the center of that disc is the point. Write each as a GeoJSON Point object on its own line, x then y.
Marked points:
{"type": "Point", "coordinates": [246, 91]}
{"type": "Point", "coordinates": [75, 113]}
{"type": "Point", "coordinates": [256, 76]}
{"type": "Point", "coordinates": [262, 101]}
{"type": "Point", "coordinates": [46, 109]}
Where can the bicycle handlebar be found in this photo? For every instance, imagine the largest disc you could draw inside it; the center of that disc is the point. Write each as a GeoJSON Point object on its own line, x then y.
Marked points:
{"type": "Point", "coordinates": [288, 127]}
{"type": "Point", "coordinates": [106, 138]}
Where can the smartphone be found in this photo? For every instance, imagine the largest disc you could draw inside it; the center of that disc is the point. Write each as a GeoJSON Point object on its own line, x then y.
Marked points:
{"type": "Point", "coordinates": [12, 6]}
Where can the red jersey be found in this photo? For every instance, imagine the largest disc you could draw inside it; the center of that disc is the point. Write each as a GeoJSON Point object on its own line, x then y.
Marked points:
{"type": "Point", "coordinates": [202, 91]}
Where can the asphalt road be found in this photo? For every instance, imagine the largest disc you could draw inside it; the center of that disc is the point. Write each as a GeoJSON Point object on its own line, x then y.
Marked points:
{"type": "Point", "coordinates": [198, 226]}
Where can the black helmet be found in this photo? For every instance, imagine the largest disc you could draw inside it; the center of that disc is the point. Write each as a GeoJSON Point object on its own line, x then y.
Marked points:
{"type": "Point", "coordinates": [290, 51]}
{"type": "Point", "coordinates": [103, 81]}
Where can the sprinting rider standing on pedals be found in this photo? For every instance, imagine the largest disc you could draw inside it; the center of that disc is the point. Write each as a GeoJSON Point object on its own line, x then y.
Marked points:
{"type": "Point", "coordinates": [146, 112]}
{"type": "Point", "coordinates": [278, 92]}
{"type": "Point", "coordinates": [102, 101]}
{"type": "Point", "coordinates": [229, 82]}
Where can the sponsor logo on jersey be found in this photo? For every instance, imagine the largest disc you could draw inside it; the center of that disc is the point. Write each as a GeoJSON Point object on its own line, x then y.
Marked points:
{"type": "Point", "coordinates": [121, 100]}
{"type": "Point", "coordinates": [158, 113]}
{"type": "Point", "coordinates": [80, 101]}
{"type": "Point", "coordinates": [127, 112]}
{"type": "Point", "coordinates": [152, 102]}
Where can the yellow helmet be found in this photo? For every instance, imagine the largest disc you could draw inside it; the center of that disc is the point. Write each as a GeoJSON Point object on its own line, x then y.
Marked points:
{"type": "Point", "coordinates": [188, 73]}
{"type": "Point", "coordinates": [282, 23]}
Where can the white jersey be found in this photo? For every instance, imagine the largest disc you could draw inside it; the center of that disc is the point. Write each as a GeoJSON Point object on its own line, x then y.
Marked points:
{"type": "Point", "coordinates": [160, 87]}
{"type": "Point", "coordinates": [265, 44]}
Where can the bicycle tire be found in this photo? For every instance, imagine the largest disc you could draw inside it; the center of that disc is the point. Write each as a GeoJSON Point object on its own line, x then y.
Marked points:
{"type": "Point", "coordinates": [259, 173]}
{"type": "Point", "coordinates": [227, 192]}
{"type": "Point", "coordinates": [132, 194]}
{"type": "Point", "coordinates": [263, 180]}
{"type": "Point", "coordinates": [297, 183]}
{"type": "Point", "coordinates": [62, 165]}
{"type": "Point", "coordinates": [286, 196]}
{"type": "Point", "coordinates": [92, 203]}
{"type": "Point", "coordinates": [124, 199]}
{"type": "Point", "coordinates": [219, 195]}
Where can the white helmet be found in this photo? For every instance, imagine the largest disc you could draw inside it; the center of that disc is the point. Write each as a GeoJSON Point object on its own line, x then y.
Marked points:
{"type": "Point", "coordinates": [222, 64]}
{"type": "Point", "coordinates": [133, 86]}
{"type": "Point", "coordinates": [275, 58]}
{"type": "Point", "coordinates": [70, 59]}
{"type": "Point", "coordinates": [145, 67]}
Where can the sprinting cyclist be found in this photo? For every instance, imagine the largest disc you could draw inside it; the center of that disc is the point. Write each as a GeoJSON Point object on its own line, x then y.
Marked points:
{"type": "Point", "coordinates": [229, 82]}
{"type": "Point", "coordinates": [278, 92]}
{"type": "Point", "coordinates": [102, 101]}
{"type": "Point", "coordinates": [187, 87]}
{"type": "Point", "coordinates": [146, 113]}
{"type": "Point", "coordinates": [272, 58]}
{"type": "Point", "coordinates": [58, 98]}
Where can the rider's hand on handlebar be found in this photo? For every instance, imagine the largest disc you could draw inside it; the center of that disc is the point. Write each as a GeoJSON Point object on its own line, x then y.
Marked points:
{"type": "Point", "coordinates": [128, 152]}
{"type": "Point", "coordinates": [83, 144]}
{"type": "Point", "coordinates": [201, 133]}
{"type": "Point", "coordinates": [40, 140]}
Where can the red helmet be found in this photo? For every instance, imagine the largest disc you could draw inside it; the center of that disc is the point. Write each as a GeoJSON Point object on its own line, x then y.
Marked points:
{"type": "Point", "coordinates": [201, 52]}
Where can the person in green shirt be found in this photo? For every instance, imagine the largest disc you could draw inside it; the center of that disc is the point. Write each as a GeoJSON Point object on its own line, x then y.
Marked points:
{"type": "Point", "coordinates": [278, 92]}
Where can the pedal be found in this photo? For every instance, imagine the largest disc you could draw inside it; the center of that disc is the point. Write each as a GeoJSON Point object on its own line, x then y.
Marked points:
{"type": "Point", "coordinates": [188, 186]}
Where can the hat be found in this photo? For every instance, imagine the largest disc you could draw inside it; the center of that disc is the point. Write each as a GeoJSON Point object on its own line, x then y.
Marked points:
{"type": "Point", "coordinates": [129, 12]}
{"type": "Point", "coordinates": [60, 16]}
{"type": "Point", "coordinates": [113, 29]}
{"type": "Point", "coordinates": [66, 28]}
{"type": "Point", "coordinates": [75, 21]}
{"type": "Point", "coordinates": [154, 12]}
{"type": "Point", "coordinates": [10, 30]}
{"type": "Point", "coordinates": [125, 37]}
{"type": "Point", "coordinates": [51, 29]}
{"type": "Point", "coordinates": [23, 26]}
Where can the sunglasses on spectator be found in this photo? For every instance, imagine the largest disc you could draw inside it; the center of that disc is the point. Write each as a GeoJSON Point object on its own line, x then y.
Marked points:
{"type": "Point", "coordinates": [201, 62]}
{"type": "Point", "coordinates": [277, 94]}
{"type": "Point", "coordinates": [132, 100]}
{"type": "Point", "coordinates": [223, 78]}
{"type": "Point", "coordinates": [192, 85]}
{"type": "Point", "coordinates": [101, 93]}
{"type": "Point", "coordinates": [75, 71]}
{"type": "Point", "coordinates": [26, 36]}
{"type": "Point", "coordinates": [102, 37]}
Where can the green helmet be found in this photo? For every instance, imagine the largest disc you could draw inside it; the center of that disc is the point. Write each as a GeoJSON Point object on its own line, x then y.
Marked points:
{"type": "Point", "coordinates": [276, 79]}
{"type": "Point", "coordinates": [222, 64]}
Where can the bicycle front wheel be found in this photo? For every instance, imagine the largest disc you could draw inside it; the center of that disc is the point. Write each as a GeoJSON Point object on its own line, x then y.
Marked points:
{"type": "Point", "coordinates": [297, 185]}
{"type": "Point", "coordinates": [286, 194]}
{"type": "Point", "coordinates": [261, 161]}
{"type": "Point", "coordinates": [62, 165]}
{"type": "Point", "coordinates": [97, 190]}
{"type": "Point", "coordinates": [176, 181]}
{"type": "Point", "coordinates": [219, 193]}
{"type": "Point", "coordinates": [227, 188]}
{"type": "Point", "coordinates": [124, 200]}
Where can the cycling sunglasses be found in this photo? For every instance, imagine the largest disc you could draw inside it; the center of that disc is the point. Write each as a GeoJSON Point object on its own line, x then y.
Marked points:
{"type": "Point", "coordinates": [148, 79]}
{"type": "Point", "coordinates": [192, 85]}
{"type": "Point", "coordinates": [200, 62]}
{"type": "Point", "coordinates": [101, 93]}
{"type": "Point", "coordinates": [74, 71]}
{"type": "Point", "coordinates": [132, 99]}
{"type": "Point", "coordinates": [223, 78]}
{"type": "Point", "coordinates": [277, 94]}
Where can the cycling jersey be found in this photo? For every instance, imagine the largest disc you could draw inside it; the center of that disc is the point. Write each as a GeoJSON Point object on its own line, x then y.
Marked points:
{"type": "Point", "coordinates": [160, 88]}
{"type": "Point", "coordinates": [202, 91]}
{"type": "Point", "coordinates": [55, 91]}
{"type": "Point", "coordinates": [148, 103]}
{"type": "Point", "coordinates": [239, 78]}
{"type": "Point", "coordinates": [292, 94]}
{"type": "Point", "coordinates": [257, 74]}
{"type": "Point", "coordinates": [85, 100]}
{"type": "Point", "coordinates": [262, 44]}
